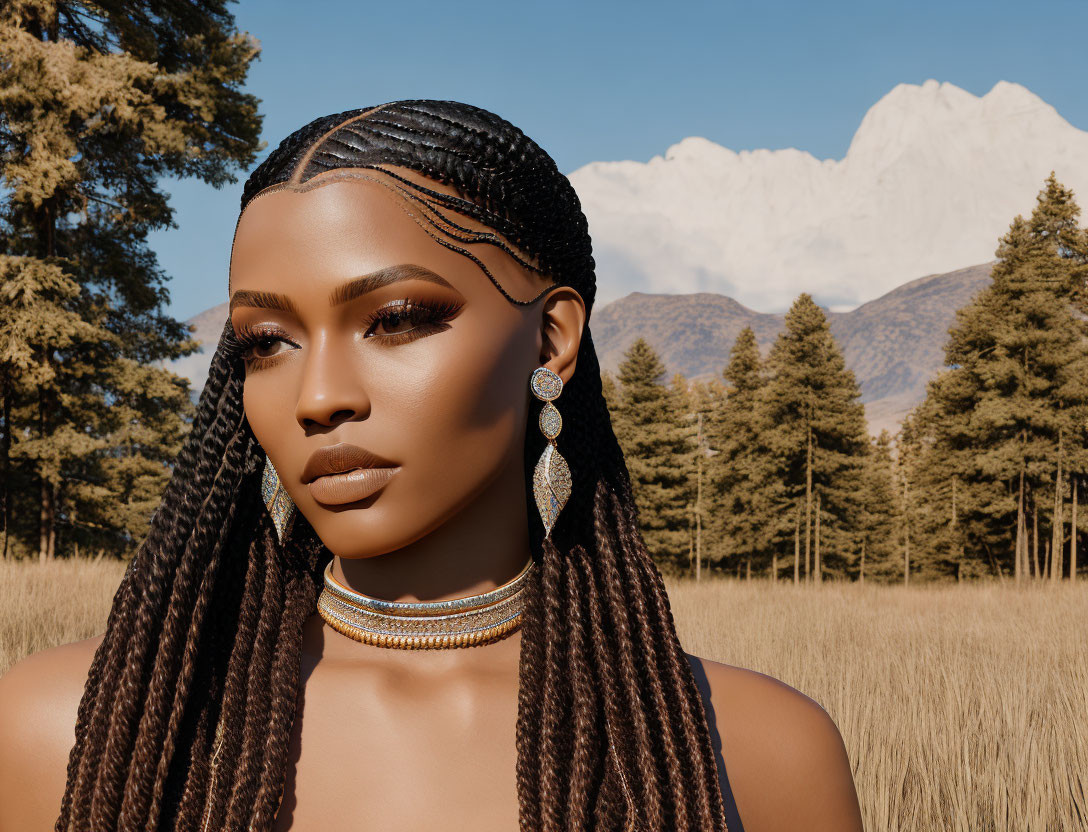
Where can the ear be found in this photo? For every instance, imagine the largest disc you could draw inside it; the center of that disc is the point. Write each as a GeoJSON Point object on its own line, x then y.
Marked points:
{"type": "Point", "coordinates": [563, 319]}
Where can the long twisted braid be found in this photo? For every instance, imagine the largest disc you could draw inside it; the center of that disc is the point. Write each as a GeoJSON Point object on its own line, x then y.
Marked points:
{"type": "Point", "coordinates": [202, 650]}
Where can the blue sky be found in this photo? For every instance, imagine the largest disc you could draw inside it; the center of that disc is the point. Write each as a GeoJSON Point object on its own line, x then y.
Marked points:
{"type": "Point", "coordinates": [624, 80]}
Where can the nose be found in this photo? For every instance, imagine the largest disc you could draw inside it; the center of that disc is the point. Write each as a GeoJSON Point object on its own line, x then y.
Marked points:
{"type": "Point", "coordinates": [332, 390]}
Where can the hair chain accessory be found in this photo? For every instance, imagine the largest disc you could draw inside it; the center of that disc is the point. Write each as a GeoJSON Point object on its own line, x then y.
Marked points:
{"type": "Point", "coordinates": [551, 477]}
{"type": "Point", "coordinates": [279, 503]}
{"type": "Point", "coordinates": [457, 622]}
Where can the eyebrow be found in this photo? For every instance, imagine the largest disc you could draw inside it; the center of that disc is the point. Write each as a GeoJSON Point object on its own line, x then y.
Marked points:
{"type": "Point", "coordinates": [342, 294]}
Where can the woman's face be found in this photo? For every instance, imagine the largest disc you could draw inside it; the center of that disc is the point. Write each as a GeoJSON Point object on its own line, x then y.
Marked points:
{"type": "Point", "coordinates": [387, 379]}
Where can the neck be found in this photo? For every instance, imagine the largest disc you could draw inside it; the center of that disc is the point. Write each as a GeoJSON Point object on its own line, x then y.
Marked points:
{"type": "Point", "coordinates": [482, 546]}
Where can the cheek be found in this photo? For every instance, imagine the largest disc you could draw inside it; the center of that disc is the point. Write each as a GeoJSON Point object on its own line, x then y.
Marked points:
{"type": "Point", "coordinates": [270, 412]}
{"type": "Point", "coordinates": [470, 406]}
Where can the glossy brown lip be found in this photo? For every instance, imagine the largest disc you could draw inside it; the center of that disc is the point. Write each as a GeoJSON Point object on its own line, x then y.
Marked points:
{"type": "Point", "coordinates": [339, 459]}
{"type": "Point", "coordinates": [350, 486]}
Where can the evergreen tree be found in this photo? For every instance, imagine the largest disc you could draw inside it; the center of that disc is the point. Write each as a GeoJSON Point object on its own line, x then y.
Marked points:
{"type": "Point", "coordinates": [1005, 422]}
{"type": "Point", "coordinates": [98, 103]}
{"type": "Point", "coordinates": [817, 439]}
{"type": "Point", "coordinates": [745, 491]}
{"type": "Point", "coordinates": [610, 391]}
{"type": "Point", "coordinates": [877, 518]}
{"type": "Point", "coordinates": [655, 446]}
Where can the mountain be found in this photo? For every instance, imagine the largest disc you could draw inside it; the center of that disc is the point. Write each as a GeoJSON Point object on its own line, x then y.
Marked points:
{"type": "Point", "coordinates": [207, 327]}
{"type": "Point", "coordinates": [894, 344]}
{"type": "Point", "coordinates": [930, 182]}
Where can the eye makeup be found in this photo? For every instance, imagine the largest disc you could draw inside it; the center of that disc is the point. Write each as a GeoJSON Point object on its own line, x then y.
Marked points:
{"type": "Point", "coordinates": [398, 322]}
{"type": "Point", "coordinates": [423, 318]}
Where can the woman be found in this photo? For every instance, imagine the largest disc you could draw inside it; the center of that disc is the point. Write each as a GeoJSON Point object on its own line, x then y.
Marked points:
{"type": "Point", "coordinates": [405, 408]}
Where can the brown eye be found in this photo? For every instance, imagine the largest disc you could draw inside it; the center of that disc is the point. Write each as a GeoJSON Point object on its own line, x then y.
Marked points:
{"type": "Point", "coordinates": [394, 320]}
{"type": "Point", "coordinates": [258, 345]}
{"type": "Point", "coordinates": [266, 346]}
{"type": "Point", "coordinates": [403, 321]}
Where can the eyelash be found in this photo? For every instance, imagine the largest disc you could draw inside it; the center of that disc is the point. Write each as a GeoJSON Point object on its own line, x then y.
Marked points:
{"type": "Point", "coordinates": [425, 317]}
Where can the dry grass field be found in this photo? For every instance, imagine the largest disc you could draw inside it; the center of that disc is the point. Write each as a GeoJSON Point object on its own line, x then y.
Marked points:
{"type": "Point", "coordinates": [963, 708]}
{"type": "Point", "coordinates": [42, 605]}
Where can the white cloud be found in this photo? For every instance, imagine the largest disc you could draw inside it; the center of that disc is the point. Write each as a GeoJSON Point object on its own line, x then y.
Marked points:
{"type": "Point", "coordinates": [931, 180]}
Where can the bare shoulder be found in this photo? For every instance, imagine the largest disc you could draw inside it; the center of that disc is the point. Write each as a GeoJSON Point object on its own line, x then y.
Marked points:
{"type": "Point", "coordinates": [784, 756]}
{"type": "Point", "coordinates": [39, 701]}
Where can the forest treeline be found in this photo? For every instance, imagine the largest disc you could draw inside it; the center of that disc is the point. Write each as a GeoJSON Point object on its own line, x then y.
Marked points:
{"type": "Point", "coordinates": [98, 104]}
{"type": "Point", "coordinates": [770, 470]}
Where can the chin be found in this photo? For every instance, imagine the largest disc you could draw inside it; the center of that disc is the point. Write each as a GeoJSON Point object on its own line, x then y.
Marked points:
{"type": "Point", "coordinates": [360, 531]}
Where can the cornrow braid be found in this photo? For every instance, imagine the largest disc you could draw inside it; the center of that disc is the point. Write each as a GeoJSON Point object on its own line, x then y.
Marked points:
{"type": "Point", "coordinates": [201, 656]}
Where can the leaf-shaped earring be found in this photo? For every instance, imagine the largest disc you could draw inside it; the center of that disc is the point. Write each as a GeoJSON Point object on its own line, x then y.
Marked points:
{"type": "Point", "coordinates": [279, 503]}
{"type": "Point", "coordinates": [551, 477]}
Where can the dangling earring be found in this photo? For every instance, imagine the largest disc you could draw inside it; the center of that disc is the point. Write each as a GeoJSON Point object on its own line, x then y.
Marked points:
{"type": "Point", "coordinates": [280, 505]}
{"type": "Point", "coordinates": [551, 477]}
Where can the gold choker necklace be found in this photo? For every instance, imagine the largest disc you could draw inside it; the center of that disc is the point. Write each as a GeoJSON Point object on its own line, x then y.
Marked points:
{"type": "Point", "coordinates": [457, 622]}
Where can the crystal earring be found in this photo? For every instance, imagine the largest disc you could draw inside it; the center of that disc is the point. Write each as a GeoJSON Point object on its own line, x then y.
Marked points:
{"type": "Point", "coordinates": [551, 477]}
{"type": "Point", "coordinates": [280, 505]}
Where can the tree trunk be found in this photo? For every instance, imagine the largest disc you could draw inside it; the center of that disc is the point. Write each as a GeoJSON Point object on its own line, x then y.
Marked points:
{"type": "Point", "coordinates": [816, 552]}
{"type": "Point", "coordinates": [699, 501]}
{"type": "Point", "coordinates": [54, 509]}
{"type": "Point", "coordinates": [45, 521]}
{"type": "Point", "coordinates": [953, 524]}
{"type": "Point", "coordinates": [774, 567]}
{"type": "Point", "coordinates": [1021, 546]}
{"type": "Point", "coordinates": [906, 557]}
{"type": "Point", "coordinates": [748, 570]}
{"type": "Point", "coordinates": [46, 234]}
{"type": "Point", "coordinates": [1058, 526]}
{"type": "Point", "coordinates": [1046, 559]}
{"type": "Point", "coordinates": [797, 547]}
{"type": "Point", "coordinates": [1035, 539]}
{"type": "Point", "coordinates": [5, 467]}
{"type": "Point", "coordinates": [1073, 535]}
{"type": "Point", "coordinates": [906, 531]}
{"type": "Point", "coordinates": [691, 547]}
{"type": "Point", "coordinates": [808, 503]}
{"type": "Point", "coordinates": [861, 572]}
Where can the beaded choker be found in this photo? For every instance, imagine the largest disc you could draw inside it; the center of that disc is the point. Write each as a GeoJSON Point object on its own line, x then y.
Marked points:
{"type": "Point", "coordinates": [457, 622]}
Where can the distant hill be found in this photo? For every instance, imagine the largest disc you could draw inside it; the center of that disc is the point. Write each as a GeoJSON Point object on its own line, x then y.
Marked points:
{"type": "Point", "coordinates": [894, 344]}
{"type": "Point", "coordinates": [207, 327]}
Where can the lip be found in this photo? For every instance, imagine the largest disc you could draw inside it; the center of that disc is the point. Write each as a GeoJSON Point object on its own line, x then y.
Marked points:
{"type": "Point", "coordinates": [351, 486]}
{"type": "Point", "coordinates": [344, 473]}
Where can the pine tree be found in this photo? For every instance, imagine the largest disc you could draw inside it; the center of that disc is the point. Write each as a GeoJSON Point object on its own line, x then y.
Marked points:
{"type": "Point", "coordinates": [610, 391]}
{"type": "Point", "coordinates": [877, 519]}
{"type": "Point", "coordinates": [1006, 420]}
{"type": "Point", "coordinates": [97, 105]}
{"type": "Point", "coordinates": [656, 446]}
{"type": "Point", "coordinates": [817, 439]}
{"type": "Point", "coordinates": [745, 492]}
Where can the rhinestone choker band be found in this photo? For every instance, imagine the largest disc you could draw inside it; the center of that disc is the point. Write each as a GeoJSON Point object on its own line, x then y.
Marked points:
{"type": "Point", "coordinates": [457, 622]}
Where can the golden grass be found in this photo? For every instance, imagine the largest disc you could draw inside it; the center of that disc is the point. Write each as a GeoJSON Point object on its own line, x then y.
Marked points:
{"type": "Point", "coordinates": [963, 708]}
{"type": "Point", "coordinates": [43, 605]}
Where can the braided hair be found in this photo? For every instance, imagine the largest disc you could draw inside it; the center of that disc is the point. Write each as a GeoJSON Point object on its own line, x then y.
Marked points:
{"type": "Point", "coordinates": [205, 631]}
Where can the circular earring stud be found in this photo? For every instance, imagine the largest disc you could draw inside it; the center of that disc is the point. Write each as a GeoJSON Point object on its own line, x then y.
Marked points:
{"type": "Point", "coordinates": [545, 384]}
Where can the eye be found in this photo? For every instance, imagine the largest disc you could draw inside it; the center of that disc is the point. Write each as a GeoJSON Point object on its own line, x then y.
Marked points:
{"type": "Point", "coordinates": [261, 344]}
{"type": "Point", "coordinates": [406, 320]}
